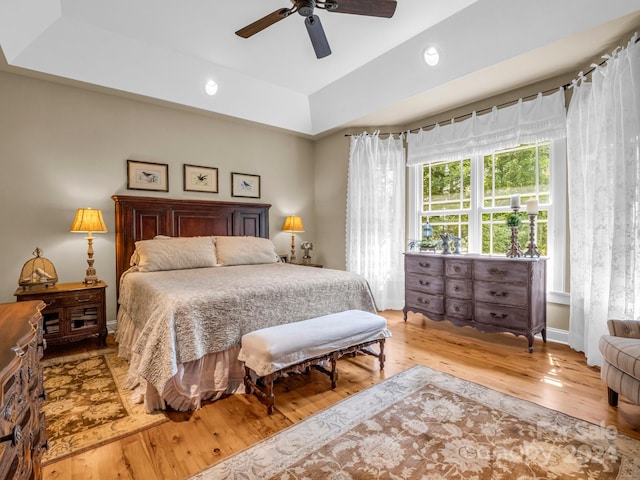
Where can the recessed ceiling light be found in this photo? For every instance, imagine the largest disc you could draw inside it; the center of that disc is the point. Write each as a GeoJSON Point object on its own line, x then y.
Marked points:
{"type": "Point", "coordinates": [431, 56]}
{"type": "Point", "coordinates": [211, 87]}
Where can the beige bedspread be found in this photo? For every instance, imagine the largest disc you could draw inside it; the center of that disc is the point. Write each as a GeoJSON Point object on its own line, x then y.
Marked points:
{"type": "Point", "coordinates": [183, 315]}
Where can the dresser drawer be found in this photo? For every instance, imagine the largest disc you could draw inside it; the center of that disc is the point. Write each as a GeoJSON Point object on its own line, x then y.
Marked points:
{"type": "Point", "coordinates": [427, 264]}
{"type": "Point", "coordinates": [502, 316]}
{"type": "Point", "coordinates": [459, 308]}
{"type": "Point", "coordinates": [501, 271]}
{"type": "Point", "coordinates": [458, 268]}
{"type": "Point", "coordinates": [424, 283]}
{"type": "Point", "coordinates": [459, 288]}
{"type": "Point", "coordinates": [501, 293]}
{"type": "Point", "coordinates": [424, 301]}
{"type": "Point", "coordinates": [72, 299]}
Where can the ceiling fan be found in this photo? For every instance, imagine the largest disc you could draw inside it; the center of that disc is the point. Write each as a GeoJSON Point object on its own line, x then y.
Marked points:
{"type": "Point", "coordinates": [373, 8]}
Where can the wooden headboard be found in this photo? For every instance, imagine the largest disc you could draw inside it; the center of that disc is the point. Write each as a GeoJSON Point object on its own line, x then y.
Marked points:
{"type": "Point", "coordinates": [142, 218]}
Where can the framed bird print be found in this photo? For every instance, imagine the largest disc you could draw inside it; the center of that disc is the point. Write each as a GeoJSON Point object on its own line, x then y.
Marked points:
{"type": "Point", "coordinates": [147, 176]}
{"type": "Point", "coordinates": [245, 185]}
{"type": "Point", "coordinates": [200, 179]}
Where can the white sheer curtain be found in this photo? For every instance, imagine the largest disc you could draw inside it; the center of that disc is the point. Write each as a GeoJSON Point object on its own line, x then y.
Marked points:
{"type": "Point", "coordinates": [603, 147]}
{"type": "Point", "coordinates": [543, 118]}
{"type": "Point", "coordinates": [375, 216]}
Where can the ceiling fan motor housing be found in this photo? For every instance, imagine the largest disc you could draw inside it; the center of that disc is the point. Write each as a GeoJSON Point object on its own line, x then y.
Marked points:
{"type": "Point", "coordinates": [306, 7]}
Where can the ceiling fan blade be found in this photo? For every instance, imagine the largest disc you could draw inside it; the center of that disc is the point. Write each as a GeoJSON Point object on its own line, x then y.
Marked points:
{"type": "Point", "coordinates": [317, 36]}
{"type": "Point", "coordinates": [263, 23]}
{"type": "Point", "coordinates": [372, 8]}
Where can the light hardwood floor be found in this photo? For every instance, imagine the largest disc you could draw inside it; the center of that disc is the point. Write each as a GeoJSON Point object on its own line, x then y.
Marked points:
{"type": "Point", "coordinates": [553, 376]}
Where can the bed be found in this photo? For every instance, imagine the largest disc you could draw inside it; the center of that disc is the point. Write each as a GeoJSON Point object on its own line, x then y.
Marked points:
{"type": "Point", "coordinates": [196, 275]}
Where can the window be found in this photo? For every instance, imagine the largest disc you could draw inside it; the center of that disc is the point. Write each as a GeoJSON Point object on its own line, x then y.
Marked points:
{"type": "Point", "coordinates": [470, 198]}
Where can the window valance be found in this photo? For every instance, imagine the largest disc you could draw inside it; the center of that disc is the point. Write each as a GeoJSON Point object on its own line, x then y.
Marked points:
{"type": "Point", "coordinates": [543, 118]}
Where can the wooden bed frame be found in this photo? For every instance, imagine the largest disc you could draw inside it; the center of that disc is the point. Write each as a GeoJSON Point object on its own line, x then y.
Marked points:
{"type": "Point", "coordinates": [142, 218]}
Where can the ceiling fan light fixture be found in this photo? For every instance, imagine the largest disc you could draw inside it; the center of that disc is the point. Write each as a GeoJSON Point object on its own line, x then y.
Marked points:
{"type": "Point", "coordinates": [211, 87]}
{"type": "Point", "coordinates": [431, 56]}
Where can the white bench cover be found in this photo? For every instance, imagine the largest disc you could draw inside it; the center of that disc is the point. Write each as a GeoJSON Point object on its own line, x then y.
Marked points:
{"type": "Point", "coordinates": [271, 349]}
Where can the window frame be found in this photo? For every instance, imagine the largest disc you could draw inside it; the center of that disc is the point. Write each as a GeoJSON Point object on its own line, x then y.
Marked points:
{"type": "Point", "coordinates": [557, 226]}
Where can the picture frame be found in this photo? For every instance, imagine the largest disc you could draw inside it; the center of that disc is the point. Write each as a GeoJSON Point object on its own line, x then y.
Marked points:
{"type": "Point", "coordinates": [200, 179]}
{"type": "Point", "coordinates": [245, 185]}
{"type": "Point", "coordinates": [147, 176]}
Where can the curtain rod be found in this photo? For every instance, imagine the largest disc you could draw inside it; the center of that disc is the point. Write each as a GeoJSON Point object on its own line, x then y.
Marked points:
{"type": "Point", "coordinates": [505, 104]}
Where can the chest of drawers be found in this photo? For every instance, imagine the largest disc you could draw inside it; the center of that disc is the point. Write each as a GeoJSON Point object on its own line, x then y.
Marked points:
{"type": "Point", "coordinates": [22, 427]}
{"type": "Point", "coordinates": [492, 294]}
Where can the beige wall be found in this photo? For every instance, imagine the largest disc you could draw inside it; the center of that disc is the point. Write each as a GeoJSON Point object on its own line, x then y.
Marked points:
{"type": "Point", "coordinates": [63, 147]}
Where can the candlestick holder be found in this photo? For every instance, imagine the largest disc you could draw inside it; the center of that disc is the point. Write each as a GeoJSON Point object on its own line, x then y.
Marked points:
{"type": "Point", "coordinates": [513, 222]}
{"type": "Point", "coordinates": [532, 248]}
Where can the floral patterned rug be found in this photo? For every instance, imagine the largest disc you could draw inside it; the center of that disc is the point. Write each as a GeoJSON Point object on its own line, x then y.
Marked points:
{"type": "Point", "coordinates": [423, 424]}
{"type": "Point", "coordinates": [87, 405]}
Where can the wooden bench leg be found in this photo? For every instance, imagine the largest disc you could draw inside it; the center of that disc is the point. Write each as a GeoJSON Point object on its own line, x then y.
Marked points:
{"type": "Point", "coordinates": [381, 356]}
{"type": "Point", "coordinates": [334, 370]}
{"type": "Point", "coordinates": [269, 396]}
{"type": "Point", "coordinates": [247, 381]}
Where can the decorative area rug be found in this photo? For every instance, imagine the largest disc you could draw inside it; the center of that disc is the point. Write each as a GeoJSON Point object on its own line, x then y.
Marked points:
{"type": "Point", "coordinates": [423, 424]}
{"type": "Point", "coordinates": [87, 404]}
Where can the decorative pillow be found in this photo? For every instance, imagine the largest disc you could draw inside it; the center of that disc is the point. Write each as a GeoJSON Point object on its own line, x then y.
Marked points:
{"type": "Point", "coordinates": [245, 250]}
{"type": "Point", "coordinates": [135, 258]}
{"type": "Point", "coordinates": [175, 253]}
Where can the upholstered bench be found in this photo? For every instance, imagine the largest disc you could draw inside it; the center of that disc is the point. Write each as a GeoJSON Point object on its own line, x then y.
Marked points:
{"type": "Point", "coordinates": [272, 352]}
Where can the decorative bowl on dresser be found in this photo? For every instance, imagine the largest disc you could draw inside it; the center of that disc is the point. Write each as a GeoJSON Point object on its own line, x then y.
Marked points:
{"type": "Point", "coordinates": [22, 428]}
{"type": "Point", "coordinates": [491, 294]}
{"type": "Point", "coordinates": [73, 311]}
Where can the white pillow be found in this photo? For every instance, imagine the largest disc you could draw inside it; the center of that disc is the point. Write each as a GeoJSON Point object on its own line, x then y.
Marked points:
{"type": "Point", "coordinates": [245, 250]}
{"type": "Point", "coordinates": [175, 253]}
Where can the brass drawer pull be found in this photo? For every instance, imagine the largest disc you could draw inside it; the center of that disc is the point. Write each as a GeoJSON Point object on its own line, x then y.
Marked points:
{"type": "Point", "coordinates": [498, 294]}
{"type": "Point", "coordinates": [456, 308]}
{"type": "Point", "coordinates": [424, 265]}
{"type": "Point", "coordinates": [494, 271]}
{"type": "Point", "coordinates": [456, 288]}
{"type": "Point", "coordinates": [426, 302]}
{"type": "Point", "coordinates": [498, 315]}
{"type": "Point", "coordinates": [83, 300]}
{"type": "Point", "coordinates": [424, 283]}
{"type": "Point", "coordinates": [456, 268]}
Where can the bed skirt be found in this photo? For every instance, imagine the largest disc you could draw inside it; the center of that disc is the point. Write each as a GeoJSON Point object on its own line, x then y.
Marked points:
{"type": "Point", "coordinates": [207, 378]}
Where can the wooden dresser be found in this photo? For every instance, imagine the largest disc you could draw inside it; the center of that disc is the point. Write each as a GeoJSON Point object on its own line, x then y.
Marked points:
{"type": "Point", "coordinates": [492, 294]}
{"type": "Point", "coordinates": [22, 425]}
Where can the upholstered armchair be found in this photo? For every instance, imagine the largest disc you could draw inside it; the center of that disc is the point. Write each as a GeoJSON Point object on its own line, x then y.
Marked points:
{"type": "Point", "coordinates": [621, 364]}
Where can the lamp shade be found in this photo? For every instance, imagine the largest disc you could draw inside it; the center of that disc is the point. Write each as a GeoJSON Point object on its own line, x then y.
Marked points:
{"type": "Point", "coordinates": [293, 223]}
{"type": "Point", "coordinates": [88, 220]}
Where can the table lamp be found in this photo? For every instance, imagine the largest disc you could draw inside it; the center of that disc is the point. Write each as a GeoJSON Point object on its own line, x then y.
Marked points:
{"type": "Point", "coordinates": [293, 224]}
{"type": "Point", "coordinates": [89, 221]}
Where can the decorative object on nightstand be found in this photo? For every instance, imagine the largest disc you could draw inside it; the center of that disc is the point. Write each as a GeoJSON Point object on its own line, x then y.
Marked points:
{"type": "Point", "coordinates": [532, 211]}
{"type": "Point", "coordinates": [72, 311]}
{"type": "Point", "coordinates": [306, 247]}
{"type": "Point", "coordinates": [513, 222]}
{"type": "Point", "coordinates": [37, 271]}
{"type": "Point", "coordinates": [89, 221]}
{"type": "Point", "coordinates": [293, 224]}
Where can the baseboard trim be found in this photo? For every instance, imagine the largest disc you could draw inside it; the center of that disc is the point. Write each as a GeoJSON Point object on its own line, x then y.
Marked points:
{"type": "Point", "coordinates": [557, 335]}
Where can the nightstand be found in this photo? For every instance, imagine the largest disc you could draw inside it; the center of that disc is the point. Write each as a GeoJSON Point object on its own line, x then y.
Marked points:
{"type": "Point", "coordinates": [73, 311]}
